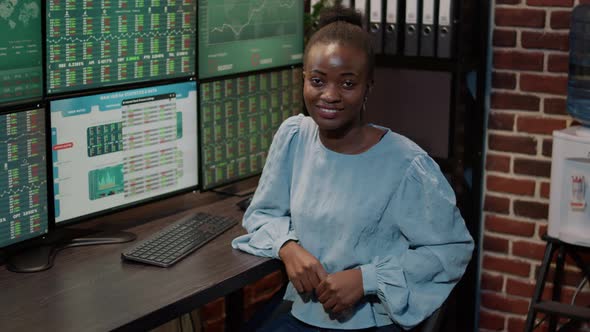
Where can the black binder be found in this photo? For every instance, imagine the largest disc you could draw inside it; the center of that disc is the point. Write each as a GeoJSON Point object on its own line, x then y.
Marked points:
{"type": "Point", "coordinates": [428, 28]}
{"type": "Point", "coordinates": [391, 29]}
{"type": "Point", "coordinates": [444, 48]}
{"type": "Point", "coordinates": [376, 25]}
{"type": "Point", "coordinates": [412, 28]}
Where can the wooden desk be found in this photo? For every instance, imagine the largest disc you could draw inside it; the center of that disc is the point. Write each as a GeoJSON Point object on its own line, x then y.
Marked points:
{"type": "Point", "coordinates": [92, 289]}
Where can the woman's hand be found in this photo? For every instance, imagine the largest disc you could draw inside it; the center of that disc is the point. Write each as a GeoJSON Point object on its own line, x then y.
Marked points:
{"type": "Point", "coordinates": [341, 290]}
{"type": "Point", "coordinates": [303, 269]}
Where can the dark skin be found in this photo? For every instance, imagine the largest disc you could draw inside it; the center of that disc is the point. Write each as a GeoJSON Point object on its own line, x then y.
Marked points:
{"type": "Point", "coordinates": [336, 83]}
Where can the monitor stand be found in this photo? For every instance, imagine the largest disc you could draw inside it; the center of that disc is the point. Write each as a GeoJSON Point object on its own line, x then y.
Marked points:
{"type": "Point", "coordinates": [40, 255]}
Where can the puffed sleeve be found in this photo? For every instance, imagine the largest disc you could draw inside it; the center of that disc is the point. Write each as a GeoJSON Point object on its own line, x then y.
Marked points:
{"type": "Point", "coordinates": [268, 219]}
{"type": "Point", "coordinates": [413, 285]}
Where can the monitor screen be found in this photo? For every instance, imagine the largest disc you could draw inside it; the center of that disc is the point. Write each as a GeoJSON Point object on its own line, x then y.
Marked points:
{"type": "Point", "coordinates": [102, 43]}
{"type": "Point", "coordinates": [113, 149]}
{"type": "Point", "coordinates": [20, 51]}
{"type": "Point", "coordinates": [237, 36]}
{"type": "Point", "coordinates": [23, 181]}
{"type": "Point", "coordinates": [238, 118]}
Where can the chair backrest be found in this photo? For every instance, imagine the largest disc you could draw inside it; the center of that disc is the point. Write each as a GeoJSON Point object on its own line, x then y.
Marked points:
{"type": "Point", "coordinates": [434, 322]}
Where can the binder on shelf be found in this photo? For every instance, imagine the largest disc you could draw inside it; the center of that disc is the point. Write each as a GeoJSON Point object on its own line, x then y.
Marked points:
{"type": "Point", "coordinates": [361, 6]}
{"type": "Point", "coordinates": [390, 30]}
{"type": "Point", "coordinates": [412, 28]}
{"type": "Point", "coordinates": [376, 25]}
{"type": "Point", "coordinates": [445, 29]}
{"type": "Point", "coordinates": [428, 28]}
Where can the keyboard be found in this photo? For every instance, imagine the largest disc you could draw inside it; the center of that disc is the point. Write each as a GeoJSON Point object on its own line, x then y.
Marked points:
{"type": "Point", "coordinates": [176, 241]}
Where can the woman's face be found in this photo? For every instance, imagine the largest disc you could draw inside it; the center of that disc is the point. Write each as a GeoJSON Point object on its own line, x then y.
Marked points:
{"type": "Point", "coordinates": [335, 85]}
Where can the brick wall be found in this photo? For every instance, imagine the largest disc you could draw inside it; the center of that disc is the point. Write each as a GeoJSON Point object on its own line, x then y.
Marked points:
{"type": "Point", "coordinates": [529, 85]}
{"type": "Point", "coordinates": [255, 295]}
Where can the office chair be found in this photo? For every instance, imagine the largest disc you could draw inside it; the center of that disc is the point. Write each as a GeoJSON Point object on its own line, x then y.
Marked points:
{"type": "Point", "coordinates": [276, 306]}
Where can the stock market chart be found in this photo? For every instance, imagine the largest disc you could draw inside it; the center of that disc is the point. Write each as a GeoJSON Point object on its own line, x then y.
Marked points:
{"type": "Point", "coordinates": [113, 149]}
{"type": "Point", "coordinates": [108, 42]}
{"type": "Point", "coordinates": [20, 50]}
{"type": "Point", "coordinates": [23, 181]}
{"type": "Point", "coordinates": [239, 117]}
{"type": "Point", "coordinates": [237, 36]}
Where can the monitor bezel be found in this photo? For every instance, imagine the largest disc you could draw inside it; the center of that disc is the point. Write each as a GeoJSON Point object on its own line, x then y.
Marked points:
{"type": "Point", "coordinates": [109, 87]}
{"type": "Point", "coordinates": [110, 211]}
{"type": "Point", "coordinates": [27, 242]}
{"type": "Point", "coordinates": [249, 71]}
{"type": "Point", "coordinates": [230, 182]}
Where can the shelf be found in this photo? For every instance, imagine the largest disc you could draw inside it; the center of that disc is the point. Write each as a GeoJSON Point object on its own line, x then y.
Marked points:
{"type": "Point", "coordinates": [562, 309]}
{"type": "Point", "coordinates": [422, 63]}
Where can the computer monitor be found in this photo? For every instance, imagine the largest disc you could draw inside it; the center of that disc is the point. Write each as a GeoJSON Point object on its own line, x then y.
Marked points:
{"type": "Point", "coordinates": [238, 118]}
{"type": "Point", "coordinates": [117, 149]}
{"type": "Point", "coordinates": [23, 180]}
{"type": "Point", "coordinates": [236, 36]}
{"type": "Point", "coordinates": [92, 44]}
{"type": "Point", "coordinates": [21, 74]}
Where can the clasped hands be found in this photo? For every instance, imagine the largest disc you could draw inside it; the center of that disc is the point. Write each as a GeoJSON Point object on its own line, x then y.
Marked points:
{"type": "Point", "coordinates": [337, 291]}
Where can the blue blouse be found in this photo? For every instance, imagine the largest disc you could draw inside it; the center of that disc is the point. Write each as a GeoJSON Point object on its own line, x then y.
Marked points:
{"type": "Point", "coordinates": [388, 211]}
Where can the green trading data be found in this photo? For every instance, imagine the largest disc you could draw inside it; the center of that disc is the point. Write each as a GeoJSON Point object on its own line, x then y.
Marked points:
{"type": "Point", "coordinates": [237, 36]}
{"type": "Point", "coordinates": [97, 43]}
{"type": "Point", "coordinates": [20, 50]}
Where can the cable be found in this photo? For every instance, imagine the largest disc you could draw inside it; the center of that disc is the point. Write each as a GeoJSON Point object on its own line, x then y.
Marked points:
{"type": "Point", "coordinates": [190, 315]}
{"type": "Point", "coordinates": [578, 289]}
{"type": "Point", "coordinates": [180, 323]}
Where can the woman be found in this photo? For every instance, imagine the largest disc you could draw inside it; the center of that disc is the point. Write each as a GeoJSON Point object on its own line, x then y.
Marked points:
{"type": "Point", "coordinates": [363, 219]}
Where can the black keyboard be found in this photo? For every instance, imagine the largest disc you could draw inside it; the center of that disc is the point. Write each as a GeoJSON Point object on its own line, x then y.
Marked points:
{"type": "Point", "coordinates": [176, 241]}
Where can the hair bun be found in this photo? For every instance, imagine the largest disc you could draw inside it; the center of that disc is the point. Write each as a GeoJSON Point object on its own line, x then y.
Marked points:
{"type": "Point", "coordinates": [340, 14]}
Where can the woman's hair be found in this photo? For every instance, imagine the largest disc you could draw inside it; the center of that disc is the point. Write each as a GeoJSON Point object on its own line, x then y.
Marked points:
{"type": "Point", "coordinates": [342, 25]}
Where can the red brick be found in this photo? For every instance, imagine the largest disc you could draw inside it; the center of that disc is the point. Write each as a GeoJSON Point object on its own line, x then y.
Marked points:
{"type": "Point", "coordinates": [570, 277]}
{"type": "Point", "coordinates": [496, 204]}
{"type": "Point", "coordinates": [528, 249]}
{"type": "Point", "coordinates": [517, 144]}
{"type": "Point", "coordinates": [555, 106]}
{"type": "Point", "coordinates": [519, 288]}
{"type": "Point", "coordinates": [497, 163]}
{"type": "Point", "coordinates": [503, 303]}
{"type": "Point", "coordinates": [503, 80]}
{"type": "Point", "coordinates": [492, 282]}
{"type": "Point", "coordinates": [516, 324]}
{"type": "Point", "coordinates": [545, 40]}
{"type": "Point", "coordinates": [545, 84]}
{"type": "Point", "coordinates": [547, 148]}
{"type": "Point", "coordinates": [501, 121]}
{"type": "Point", "coordinates": [558, 63]}
{"type": "Point", "coordinates": [510, 185]}
{"type": "Point", "coordinates": [532, 167]}
{"type": "Point", "coordinates": [491, 321]}
{"type": "Point", "coordinates": [533, 210]}
{"type": "Point", "coordinates": [519, 17]}
{"type": "Point", "coordinates": [504, 38]}
{"type": "Point", "coordinates": [514, 60]}
{"type": "Point", "coordinates": [539, 125]}
{"type": "Point", "coordinates": [545, 189]}
{"type": "Point", "coordinates": [507, 265]}
{"type": "Point", "coordinates": [513, 101]}
{"type": "Point", "coordinates": [554, 3]}
{"type": "Point", "coordinates": [214, 310]}
{"type": "Point", "coordinates": [504, 225]}
{"type": "Point", "coordinates": [214, 326]}
{"type": "Point", "coordinates": [495, 244]}
{"type": "Point", "coordinates": [560, 19]}
{"type": "Point", "coordinates": [542, 230]}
